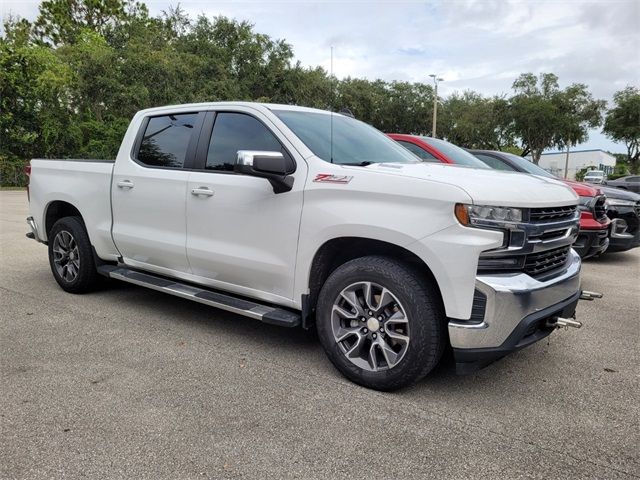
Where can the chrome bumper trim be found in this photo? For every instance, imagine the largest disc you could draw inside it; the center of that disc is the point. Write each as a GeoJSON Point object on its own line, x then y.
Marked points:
{"type": "Point", "coordinates": [34, 229]}
{"type": "Point", "coordinates": [510, 298]}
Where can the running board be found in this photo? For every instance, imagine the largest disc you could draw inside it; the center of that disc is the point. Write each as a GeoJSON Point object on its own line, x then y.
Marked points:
{"type": "Point", "coordinates": [223, 301]}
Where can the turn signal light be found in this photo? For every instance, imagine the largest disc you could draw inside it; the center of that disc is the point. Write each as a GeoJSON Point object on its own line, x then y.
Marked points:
{"type": "Point", "coordinates": [462, 214]}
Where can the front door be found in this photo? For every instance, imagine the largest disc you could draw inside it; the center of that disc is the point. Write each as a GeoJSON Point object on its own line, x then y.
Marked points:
{"type": "Point", "coordinates": [241, 236]}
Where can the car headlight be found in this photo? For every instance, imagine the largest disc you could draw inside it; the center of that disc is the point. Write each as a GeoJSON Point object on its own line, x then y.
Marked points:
{"type": "Point", "coordinates": [619, 202]}
{"type": "Point", "coordinates": [586, 203]}
{"type": "Point", "coordinates": [471, 215]}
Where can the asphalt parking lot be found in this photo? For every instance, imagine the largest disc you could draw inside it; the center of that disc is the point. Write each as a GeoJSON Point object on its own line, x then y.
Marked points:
{"type": "Point", "coordinates": [130, 383]}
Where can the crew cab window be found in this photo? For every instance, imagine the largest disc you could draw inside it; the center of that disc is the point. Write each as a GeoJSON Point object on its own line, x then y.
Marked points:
{"type": "Point", "coordinates": [495, 163]}
{"type": "Point", "coordinates": [165, 140]}
{"type": "Point", "coordinates": [415, 149]}
{"type": "Point", "coordinates": [237, 131]}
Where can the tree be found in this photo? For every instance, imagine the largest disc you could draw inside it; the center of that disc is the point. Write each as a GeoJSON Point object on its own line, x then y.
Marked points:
{"type": "Point", "coordinates": [473, 121]}
{"type": "Point", "coordinates": [534, 111]}
{"type": "Point", "coordinates": [61, 21]}
{"type": "Point", "coordinates": [578, 112]}
{"type": "Point", "coordinates": [622, 124]}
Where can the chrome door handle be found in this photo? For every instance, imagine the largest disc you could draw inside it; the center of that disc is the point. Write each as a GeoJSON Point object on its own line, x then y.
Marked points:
{"type": "Point", "coordinates": [202, 191]}
{"type": "Point", "coordinates": [125, 184]}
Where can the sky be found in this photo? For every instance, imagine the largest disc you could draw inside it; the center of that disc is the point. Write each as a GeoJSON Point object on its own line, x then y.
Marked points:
{"type": "Point", "coordinates": [481, 45]}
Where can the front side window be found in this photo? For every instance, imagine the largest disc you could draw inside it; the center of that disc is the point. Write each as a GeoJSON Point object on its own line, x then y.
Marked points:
{"type": "Point", "coordinates": [166, 139]}
{"type": "Point", "coordinates": [416, 150]}
{"type": "Point", "coordinates": [633, 179]}
{"type": "Point", "coordinates": [237, 131]}
{"type": "Point", "coordinates": [343, 140]}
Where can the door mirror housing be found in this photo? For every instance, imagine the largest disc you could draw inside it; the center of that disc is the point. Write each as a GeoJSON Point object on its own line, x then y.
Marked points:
{"type": "Point", "coordinates": [273, 166]}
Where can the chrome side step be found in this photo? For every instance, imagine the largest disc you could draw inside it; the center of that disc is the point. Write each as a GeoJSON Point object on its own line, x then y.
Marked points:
{"type": "Point", "coordinates": [264, 313]}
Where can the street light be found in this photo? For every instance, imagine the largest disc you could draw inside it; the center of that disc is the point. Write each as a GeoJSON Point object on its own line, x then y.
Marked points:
{"type": "Point", "coordinates": [436, 80]}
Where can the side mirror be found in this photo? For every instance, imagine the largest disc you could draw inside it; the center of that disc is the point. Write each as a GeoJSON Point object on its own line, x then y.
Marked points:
{"type": "Point", "coordinates": [272, 166]}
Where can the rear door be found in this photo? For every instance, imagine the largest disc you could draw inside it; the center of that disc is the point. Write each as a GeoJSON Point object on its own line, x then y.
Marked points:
{"type": "Point", "coordinates": [149, 191]}
{"type": "Point", "coordinates": [241, 236]}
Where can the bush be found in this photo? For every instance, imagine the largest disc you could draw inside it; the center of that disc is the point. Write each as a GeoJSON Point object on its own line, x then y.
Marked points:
{"type": "Point", "coordinates": [12, 172]}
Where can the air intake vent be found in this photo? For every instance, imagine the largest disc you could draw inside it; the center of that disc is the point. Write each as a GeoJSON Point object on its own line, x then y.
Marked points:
{"type": "Point", "coordinates": [543, 262]}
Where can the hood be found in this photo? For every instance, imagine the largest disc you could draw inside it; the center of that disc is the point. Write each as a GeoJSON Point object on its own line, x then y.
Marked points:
{"type": "Point", "coordinates": [583, 189]}
{"type": "Point", "coordinates": [488, 187]}
{"type": "Point", "coordinates": [620, 194]}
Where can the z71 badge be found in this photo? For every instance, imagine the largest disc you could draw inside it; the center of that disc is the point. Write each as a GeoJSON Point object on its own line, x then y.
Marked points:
{"type": "Point", "coordinates": [328, 178]}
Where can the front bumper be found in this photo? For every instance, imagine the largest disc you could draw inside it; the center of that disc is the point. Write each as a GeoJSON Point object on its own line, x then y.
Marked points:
{"type": "Point", "coordinates": [512, 313]}
{"type": "Point", "coordinates": [624, 232]}
{"type": "Point", "coordinates": [591, 242]}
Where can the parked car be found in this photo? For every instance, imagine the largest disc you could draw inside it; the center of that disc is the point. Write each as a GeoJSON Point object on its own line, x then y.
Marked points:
{"type": "Point", "coordinates": [595, 176]}
{"type": "Point", "coordinates": [623, 208]}
{"type": "Point", "coordinates": [255, 209]}
{"type": "Point", "coordinates": [593, 238]}
{"type": "Point", "coordinates": [630, 182]}
{"type": "Point", "coordinates": [434, 150]}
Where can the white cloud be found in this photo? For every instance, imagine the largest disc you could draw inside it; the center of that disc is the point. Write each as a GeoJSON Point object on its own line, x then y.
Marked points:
{"type": "Point", "coordinates": [474, 44]}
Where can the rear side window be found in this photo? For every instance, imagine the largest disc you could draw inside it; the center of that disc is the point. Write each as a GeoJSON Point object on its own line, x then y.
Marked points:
{"type": "Point", "coordinates": [416, 150]}
{"type": "Point", "coordinates": [237, 131]}
{"type": "Point", "coordinates": [495, 163]}
{"type": "Point", "coordinates": [165, 140]}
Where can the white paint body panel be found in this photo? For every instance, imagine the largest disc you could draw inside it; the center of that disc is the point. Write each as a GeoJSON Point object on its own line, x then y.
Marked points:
{"type": "Point", "coordinates": [246, 239]}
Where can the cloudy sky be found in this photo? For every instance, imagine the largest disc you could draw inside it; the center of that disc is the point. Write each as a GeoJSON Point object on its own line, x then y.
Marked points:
{"type": "Point", "coordinates": [473, 44]}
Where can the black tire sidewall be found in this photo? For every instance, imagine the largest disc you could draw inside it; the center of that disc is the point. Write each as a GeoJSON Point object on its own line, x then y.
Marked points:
{"type": "Point", "coordinates": [87, 274]}
{"type": "Point", "coordinates": [421, 304]}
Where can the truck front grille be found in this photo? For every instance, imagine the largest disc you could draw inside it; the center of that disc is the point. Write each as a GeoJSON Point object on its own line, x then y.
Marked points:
{"type": "Point", "coordinates": [538, 215]}
{"type": "Point", "coordinates": [543, 262]}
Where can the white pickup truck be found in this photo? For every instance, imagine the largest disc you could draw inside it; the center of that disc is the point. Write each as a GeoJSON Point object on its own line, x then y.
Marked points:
{"type": "Point", "coordinates": [295, 217]}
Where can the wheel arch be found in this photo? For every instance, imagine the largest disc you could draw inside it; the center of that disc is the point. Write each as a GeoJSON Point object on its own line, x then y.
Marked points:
{"type": "Point", "coordinates": [56, 210]}
{"type": "Point", "coordinates": [337, 251]}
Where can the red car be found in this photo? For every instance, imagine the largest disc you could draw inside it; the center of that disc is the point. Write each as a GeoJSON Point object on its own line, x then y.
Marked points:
{"type": "Point", "coordinates": [594, 224]}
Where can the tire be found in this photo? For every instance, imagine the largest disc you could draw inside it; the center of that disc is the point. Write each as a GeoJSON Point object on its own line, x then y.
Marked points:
{"type": "Point", "coordinates": [413, 345]}
{"type": "Point", "coordinates": [71, 256]}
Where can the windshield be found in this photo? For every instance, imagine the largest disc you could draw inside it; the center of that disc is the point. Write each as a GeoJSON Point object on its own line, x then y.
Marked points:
{"type": "Point", "coordinates": [455, 153]}
{"type": "Point", "coordinates": [527, 166]}
{"type": "Point", "coordinates": [594, 175]}
{"type": "Point", "coordinates": [354, 142]}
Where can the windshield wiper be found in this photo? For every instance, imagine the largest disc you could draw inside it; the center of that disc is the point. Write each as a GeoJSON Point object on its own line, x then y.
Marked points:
{"type": "Point", "coordinates": [358, 164]}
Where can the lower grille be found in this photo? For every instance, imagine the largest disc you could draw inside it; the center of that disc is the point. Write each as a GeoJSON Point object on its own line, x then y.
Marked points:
{"type": "Point", "coordinates": [543, 262]}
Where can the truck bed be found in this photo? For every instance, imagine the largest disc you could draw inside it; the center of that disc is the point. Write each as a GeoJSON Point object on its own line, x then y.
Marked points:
{"type": "Point", "coordinates": [86, 184]}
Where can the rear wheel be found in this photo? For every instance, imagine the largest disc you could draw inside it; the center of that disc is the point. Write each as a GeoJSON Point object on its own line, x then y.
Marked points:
{"type": "Point", "coordinates": [380, 323]}
{"type": "Point", "coordinates": [71, 257]}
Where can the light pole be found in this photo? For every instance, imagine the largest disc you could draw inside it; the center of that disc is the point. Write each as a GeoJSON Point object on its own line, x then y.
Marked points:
{"type": "Point", "coordinates": [436, 80]}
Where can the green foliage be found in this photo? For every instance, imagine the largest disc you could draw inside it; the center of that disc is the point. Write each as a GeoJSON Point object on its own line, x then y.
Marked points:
{"type": "Point", "coordinates": [545, 116]}
{"type": "Point", "coordinates": [622, 124]}
{"type": "Point", "coordinates": [71, 81]}
{"type": "Point", "coordinates": [473, 121]}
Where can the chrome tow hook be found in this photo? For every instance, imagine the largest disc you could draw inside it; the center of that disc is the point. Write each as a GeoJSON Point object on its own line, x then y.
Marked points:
{"type": "Point", "coordinates": [560, 322]}
{"type": "Point", "coordinates": [586, 295]}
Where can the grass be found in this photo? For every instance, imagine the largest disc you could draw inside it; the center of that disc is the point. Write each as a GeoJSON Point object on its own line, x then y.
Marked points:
{"type": "Point", "coordinates": [3, 189]}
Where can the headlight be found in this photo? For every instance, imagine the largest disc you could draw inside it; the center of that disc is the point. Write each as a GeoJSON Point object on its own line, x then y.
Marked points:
{"type": "Point", "coordinates": [619, 202]}
{"type": "Point", "coordinates": [586, 203]}
{"type": "Point", "coordinates": [470, 215]}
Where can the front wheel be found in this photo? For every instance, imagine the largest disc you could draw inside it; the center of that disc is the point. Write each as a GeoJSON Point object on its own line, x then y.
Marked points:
{"type": "Point", "coordinates": [71, 256]}
{"type": "Point", "coordinates": [380, 323]}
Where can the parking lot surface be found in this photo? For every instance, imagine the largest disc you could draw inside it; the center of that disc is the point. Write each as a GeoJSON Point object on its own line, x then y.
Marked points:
{"type": "Point", "coordinates": [130, 383]}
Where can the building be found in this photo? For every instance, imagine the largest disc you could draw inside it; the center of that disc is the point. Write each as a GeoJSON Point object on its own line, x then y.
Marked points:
{"type": "Point", "coordinates": [578, 159]}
